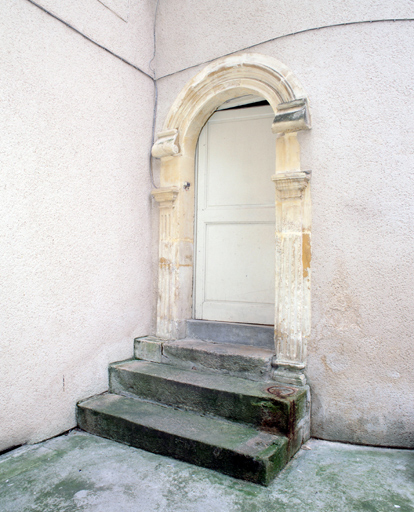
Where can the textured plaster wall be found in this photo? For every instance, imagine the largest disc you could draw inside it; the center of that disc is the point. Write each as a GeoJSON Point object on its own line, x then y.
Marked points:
{"type": "Point", "coordinates": [190, 32]}
{"type": "Point", "coordinates": [75, 234]}
{"type": "Point", "coordinates": [124, 27]}
{"type": "Point", "coordinates": [359, 79]}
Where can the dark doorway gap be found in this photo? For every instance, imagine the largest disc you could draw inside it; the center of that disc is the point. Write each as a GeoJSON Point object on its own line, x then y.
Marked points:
{"type": "Point", "coordinates": [248, 105]}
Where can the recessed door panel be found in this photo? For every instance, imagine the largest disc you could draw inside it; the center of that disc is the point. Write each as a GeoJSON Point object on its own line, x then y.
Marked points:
{"type": "Point", "coordinates": [240, 160]}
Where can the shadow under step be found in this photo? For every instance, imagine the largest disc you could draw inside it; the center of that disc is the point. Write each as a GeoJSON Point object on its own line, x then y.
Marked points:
{"type": "Point", "coordinates": [234, 449]}
{"type": "Point", "coordinates": [265, 405]}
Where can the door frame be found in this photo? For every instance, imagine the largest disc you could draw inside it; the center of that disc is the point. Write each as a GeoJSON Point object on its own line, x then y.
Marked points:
{"type": "Point", "coordinates": [220, 81]}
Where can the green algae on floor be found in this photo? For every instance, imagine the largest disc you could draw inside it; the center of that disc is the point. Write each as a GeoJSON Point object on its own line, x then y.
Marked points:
{"type": "Point", "coordinates": [81, 472]}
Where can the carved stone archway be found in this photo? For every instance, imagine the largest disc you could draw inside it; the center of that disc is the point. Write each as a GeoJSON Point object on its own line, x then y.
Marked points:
{"type": "Point", "coordinates": [224, 79]}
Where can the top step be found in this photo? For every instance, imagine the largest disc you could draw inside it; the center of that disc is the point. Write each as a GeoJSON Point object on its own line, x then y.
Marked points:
{"type": "Point", "coordinates": [244, 361]}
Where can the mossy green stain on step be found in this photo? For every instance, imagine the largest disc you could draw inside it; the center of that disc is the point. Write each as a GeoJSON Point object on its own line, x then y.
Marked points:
{"type": "Point", "coordinates": [232, 448]}
{"type": "Point", "coordinates": [233, 398]}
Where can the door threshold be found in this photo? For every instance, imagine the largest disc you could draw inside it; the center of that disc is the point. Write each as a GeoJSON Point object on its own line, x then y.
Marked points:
{"type": "Point", "coordinates": [229, 332]}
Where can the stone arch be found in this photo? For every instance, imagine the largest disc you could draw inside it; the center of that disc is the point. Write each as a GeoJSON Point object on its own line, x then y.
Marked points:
{"type": "Point", "coordinates": [221, 80]}
{"type": "Point", "coordinates": [218, 82]}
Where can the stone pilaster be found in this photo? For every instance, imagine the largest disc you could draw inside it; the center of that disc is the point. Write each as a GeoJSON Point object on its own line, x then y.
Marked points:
{"type": "Point", "coordinates": [167, 269]}
{"type": "Point", "coordinates": [292, 301]}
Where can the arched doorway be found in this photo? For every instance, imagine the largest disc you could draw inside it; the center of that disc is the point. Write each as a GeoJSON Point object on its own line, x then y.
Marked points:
{"type": "Point", "coordinates": [222, 80]}
{"type": "Point", "coordinates": [235, 216]}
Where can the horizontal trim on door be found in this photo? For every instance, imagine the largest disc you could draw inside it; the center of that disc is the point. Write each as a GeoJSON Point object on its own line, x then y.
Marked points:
{"type": "Point", "coordinates": [252, 313]}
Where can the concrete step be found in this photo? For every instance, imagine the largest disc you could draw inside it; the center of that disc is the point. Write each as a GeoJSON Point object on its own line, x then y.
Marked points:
{"type": "Point", "coordinates": [265, 405]}
{"type": "Point", "coordinates": [243, 361]}
{"type": "Point", "coordinates": [235, 449]}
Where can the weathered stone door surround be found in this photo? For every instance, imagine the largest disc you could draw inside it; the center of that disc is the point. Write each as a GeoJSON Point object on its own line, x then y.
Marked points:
{"type": "Point", "coordinates": [220, 81]}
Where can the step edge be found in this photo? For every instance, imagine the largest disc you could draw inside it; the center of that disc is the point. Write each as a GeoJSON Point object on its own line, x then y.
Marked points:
{"type": "Point", "coordinates": [237, 347]}
{"type": "Point", "coordinates": [203, 344]}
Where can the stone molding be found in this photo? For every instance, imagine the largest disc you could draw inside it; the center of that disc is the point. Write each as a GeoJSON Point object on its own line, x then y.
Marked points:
{"type": "Point", "coordinates": [290, 185]}
{"type": "Point", "coordinates": [165, 196]}
{"type": "Point", "coordinates": [292, 116]}
{"type": "Point", "coordinates": [230, 77]}
{"type": "Point", "coordinates": [166, 144]}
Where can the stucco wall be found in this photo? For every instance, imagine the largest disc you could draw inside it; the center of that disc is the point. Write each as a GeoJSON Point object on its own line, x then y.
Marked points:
{"type": "Point", "coordinates": [190, 32]}
{"type": "Point", "coordinates": [359, 79]}
{"type": "Point", "coordinates": [75, 230]}
{"type": "Point", "coordinates": [124, 27]}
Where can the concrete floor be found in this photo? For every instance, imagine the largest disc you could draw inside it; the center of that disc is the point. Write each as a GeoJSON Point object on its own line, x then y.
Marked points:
{"type": "Point", "coordinates": [82, 472]}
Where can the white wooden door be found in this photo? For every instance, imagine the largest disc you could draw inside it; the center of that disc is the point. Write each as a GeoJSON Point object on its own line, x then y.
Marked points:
{"type": "Point", "coordinates": [235, 218]}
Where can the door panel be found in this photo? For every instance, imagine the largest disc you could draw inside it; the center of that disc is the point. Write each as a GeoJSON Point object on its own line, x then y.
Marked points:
{"type": "Point", "coordinates": [234, 276]}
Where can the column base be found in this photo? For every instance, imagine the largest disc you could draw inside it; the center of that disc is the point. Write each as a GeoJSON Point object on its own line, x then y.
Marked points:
{"type": "Point", "coordinates": [289, 375]}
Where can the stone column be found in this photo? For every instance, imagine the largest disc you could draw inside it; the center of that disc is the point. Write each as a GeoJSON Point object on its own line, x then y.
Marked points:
{"type": "Point", "coordinates": [167, 270]}
{"type": "Point", "coordinates": [292, 301]}
{"type": "Point", "coordinates": [292, 279]}
{"type": "Point", "coordinates": [176, 200]}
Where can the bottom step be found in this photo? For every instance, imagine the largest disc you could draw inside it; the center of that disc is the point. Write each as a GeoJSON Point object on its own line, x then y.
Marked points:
{"type": "Point", "coordinates": [232, 448]}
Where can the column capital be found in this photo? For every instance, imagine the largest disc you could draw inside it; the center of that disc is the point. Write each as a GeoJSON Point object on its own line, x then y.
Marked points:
{"type": "Point", "coordinates": [290, 185]}
{"type": "Point", "coordinates": [165, 196]}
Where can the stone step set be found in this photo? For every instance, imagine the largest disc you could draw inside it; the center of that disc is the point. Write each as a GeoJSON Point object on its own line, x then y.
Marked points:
{"type": "Point", "coordinates": [207, 403]}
